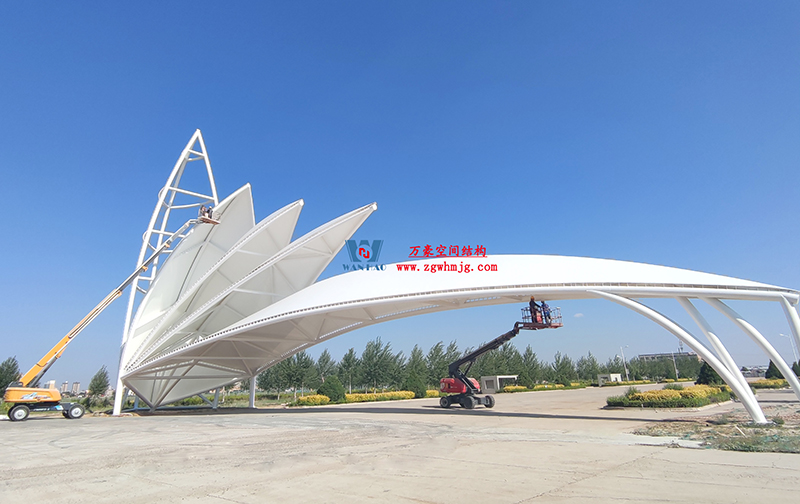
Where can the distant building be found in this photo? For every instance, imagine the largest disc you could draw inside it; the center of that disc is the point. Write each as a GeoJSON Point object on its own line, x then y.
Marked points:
{"type": "Point", "coordinates": [754, 371]}
{"type": "Point", "coordinates": [76, 388]}
{"type": "Point", "coordinates": [668, 355]}
{"type": "Point", "coordinates": [605, 378]}
{"type": "Point", "coordinates": [64, 387]}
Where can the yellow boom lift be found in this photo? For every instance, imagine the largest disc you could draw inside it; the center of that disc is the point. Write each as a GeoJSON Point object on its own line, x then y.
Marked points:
{"type": "Point", "coordinates": [24, 395]}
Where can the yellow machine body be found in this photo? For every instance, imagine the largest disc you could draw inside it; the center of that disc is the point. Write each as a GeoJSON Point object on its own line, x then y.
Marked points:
{"type": "Point", "coordinates": [27, 395]}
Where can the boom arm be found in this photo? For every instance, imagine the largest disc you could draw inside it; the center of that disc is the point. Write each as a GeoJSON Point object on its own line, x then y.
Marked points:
{"type": "Point", "coordinates": [35, 374]}
{"type": "Point", "coordinates": [455, 368]}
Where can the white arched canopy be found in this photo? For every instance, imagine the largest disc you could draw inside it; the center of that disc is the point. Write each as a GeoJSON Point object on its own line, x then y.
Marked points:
{"type": "Point", "coordinates": [236, 298]}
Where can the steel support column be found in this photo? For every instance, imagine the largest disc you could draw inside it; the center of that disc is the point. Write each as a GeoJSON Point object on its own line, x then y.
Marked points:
{"type": "Point", "coordinates": [760, 340]}
{"type": "Point", "coordinates": [755, 413]}
{"type": "Point", "coordinates": [253, 392]}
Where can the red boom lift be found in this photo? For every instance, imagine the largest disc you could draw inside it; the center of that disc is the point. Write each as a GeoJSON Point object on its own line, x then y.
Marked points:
{"type": "Point", "coordinates": [465, 390]}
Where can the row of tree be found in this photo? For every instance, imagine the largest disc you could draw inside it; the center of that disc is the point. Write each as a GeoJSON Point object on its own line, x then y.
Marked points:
{"type": "Point", "coordinates": [379, 367]}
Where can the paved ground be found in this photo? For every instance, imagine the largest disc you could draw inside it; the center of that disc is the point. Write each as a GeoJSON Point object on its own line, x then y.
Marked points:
{"type": "Point", "coordinates": [537, 447]}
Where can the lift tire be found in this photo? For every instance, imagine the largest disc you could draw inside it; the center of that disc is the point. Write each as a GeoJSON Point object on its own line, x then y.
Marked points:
{"type": "Point", "coordinates": [468, 402]}
{"type": "Point", "coordinates": [75, 411]}
{"type": "Point", "coordinates": [444, 402]}
{"type": "Point", "coordinates": [19, 413]}
{"type": "Point", "coordinates": [488, 401]}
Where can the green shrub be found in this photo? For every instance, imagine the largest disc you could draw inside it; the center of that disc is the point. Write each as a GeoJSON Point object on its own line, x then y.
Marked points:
{"type": "Point", "coordinates": [673, 386]}
{"type": "Point", "coordinates": [332, 388]}
{"type": "Point", "coordinates": [631, 391]}
{"type": "Point", "coordinates": [190, 401]}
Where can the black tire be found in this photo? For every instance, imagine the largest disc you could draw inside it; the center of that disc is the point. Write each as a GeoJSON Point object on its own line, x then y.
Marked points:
{"type": "Point", "coordinates": [75, 411]}
{"type": "Point", "coordinates": [444, 402]}
{"type": "Point", "coordinates": [468, 402]}
{"type": "Point", "coordinates": [19, 413]}
{"type": "Point", "coordinates": [488, 401]}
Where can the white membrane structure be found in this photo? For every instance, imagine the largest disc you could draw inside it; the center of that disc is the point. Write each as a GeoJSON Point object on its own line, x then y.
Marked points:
{"type": "Point", "coordinates": [228, 315]}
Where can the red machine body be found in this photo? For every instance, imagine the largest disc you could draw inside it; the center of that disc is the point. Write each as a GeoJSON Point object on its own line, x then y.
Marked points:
{"type": "Point", "coordinates": [454, 386]}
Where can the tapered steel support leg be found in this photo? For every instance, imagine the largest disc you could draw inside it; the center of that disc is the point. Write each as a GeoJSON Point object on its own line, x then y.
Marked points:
{"type": "Point", "coordinates": [216, 399]}
{"type": "Point", "coordinates": [756, 336]}
{"type": "Point", "coordinates": [682, 334]}
{"type": "Point", "coordinates": [722, 352]}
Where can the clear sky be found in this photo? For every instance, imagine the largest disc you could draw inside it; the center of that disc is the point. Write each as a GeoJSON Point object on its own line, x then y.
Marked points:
{"type": "Point", "coordinates": [659, 132]}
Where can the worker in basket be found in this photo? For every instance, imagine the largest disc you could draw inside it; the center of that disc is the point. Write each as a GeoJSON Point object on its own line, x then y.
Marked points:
{"type": "Point", "coordinates": [545, 312]}
{"type": "Point", "coordinates": [536, 313]}
{"type": "Point", "coordinates": [206, 212]}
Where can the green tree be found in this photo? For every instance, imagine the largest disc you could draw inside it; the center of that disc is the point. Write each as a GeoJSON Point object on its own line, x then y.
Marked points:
{"type": "Point", "coordinates": [708, 376]}
{"type": "Point", "coordinates": [99, 383]}
{"type": "Point", "coordinates": [376, 363]}
{"type": "Point", "coordinates": [588, 368]}
{"type": "Point", "coordinates": [326, 366]}
{"type": "Point", "coordinates": [531, 373]}
{"type": "Point", "coordinates": [396, 370]}
{"type": "Point", "coordinates": [416, 373]}
{"type": "Point", "coordinates": [773, 372]}
{"type": "Point", "coordinates": [297, 371]}
{"type": "Point", "coordinates": [270, 379]}
{"type": "Point", "coordinates": [416, 384]}
{"type": "Point", "coordinates": [349, 369]}
{"type": "Point", "coordinates": [437, 363]}
{"type": "Point", "coordinates": [9, 373]}
{"type": "Point", "coordinates": [332, 388]}
{"type": "Point", "coordinates": [796, 368]}
{"type": "Point", "coordinates": [563, 369]}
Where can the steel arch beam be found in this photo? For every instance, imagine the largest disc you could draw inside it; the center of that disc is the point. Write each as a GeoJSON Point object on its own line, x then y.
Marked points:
{"type": "Point", "coordinates": [755, 412]}
{"type": "Point", "coordinates": [756, 336]}
{"type": "Point", "coordinates": [722, 352]}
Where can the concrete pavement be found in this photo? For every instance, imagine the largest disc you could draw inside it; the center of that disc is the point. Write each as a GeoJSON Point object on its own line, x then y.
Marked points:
{"type": "Point", "coordinates": [537, 447]}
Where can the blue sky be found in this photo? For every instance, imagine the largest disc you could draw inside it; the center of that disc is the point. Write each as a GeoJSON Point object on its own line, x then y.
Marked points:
{"type": "Point", "coordinates": [666, 133]}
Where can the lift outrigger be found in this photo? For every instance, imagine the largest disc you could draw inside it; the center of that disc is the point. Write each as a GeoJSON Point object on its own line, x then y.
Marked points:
{"type": "Point", "coordinates": [25, 395]}
{"type": "Point", "coordinates": [465, 390]}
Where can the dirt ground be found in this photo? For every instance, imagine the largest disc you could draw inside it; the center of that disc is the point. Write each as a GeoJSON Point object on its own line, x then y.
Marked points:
{"type": "Point", "coordinates": [734, 430]}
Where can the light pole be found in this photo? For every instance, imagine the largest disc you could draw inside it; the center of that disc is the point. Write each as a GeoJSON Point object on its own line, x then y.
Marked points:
{"type": "Point", "coordinates": [791, 340]}
{"type": "Point", "coordinates": [624, 364]}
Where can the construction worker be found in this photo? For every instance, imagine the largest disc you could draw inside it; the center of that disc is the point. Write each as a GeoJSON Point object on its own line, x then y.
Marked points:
{"type": "Point", "coordinates": [535, 313]}
{"type": "Point", "coordinates": [545, 312]}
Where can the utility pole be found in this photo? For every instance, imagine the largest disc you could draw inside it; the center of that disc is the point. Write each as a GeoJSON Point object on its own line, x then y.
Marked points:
{"type": "Point", "coordinates": [624, 364]}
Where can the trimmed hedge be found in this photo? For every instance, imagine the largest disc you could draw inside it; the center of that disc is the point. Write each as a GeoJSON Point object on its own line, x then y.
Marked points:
{"type": "Point", "coordinates": [515, 388]}
{"type": "Point", "coordinates": [769, 384]}
{"type": "Point", "coordinates": [313, 400]}
{"type": "Point", "coordinates": [382, 396]}
{"type": "Point", "coordinates": [691, 397]}
{"type": "Point", "coordinates": [432, 393]}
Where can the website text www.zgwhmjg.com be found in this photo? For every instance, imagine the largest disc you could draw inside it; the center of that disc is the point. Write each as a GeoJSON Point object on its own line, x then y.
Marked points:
{"type": "Point", "coordinates": [460, 267]}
